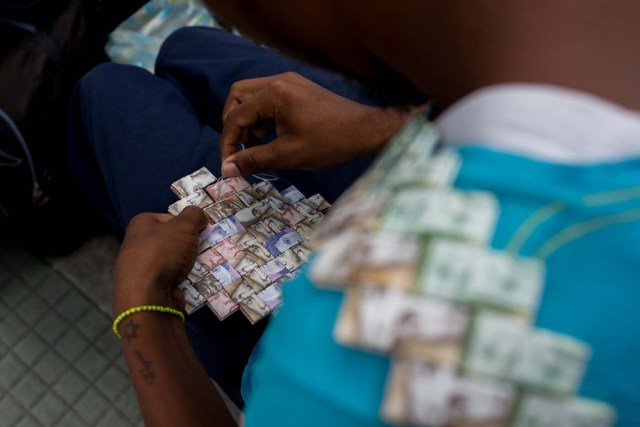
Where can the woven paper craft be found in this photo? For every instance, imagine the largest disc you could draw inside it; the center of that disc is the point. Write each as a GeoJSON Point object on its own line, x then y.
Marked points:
{"type": "Point", "coordinates": [421, 284]}
{"type": "Point", "coordinates": [256, 239]}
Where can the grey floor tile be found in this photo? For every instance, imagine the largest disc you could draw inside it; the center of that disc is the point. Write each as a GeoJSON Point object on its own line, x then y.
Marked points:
{"type": "Point", "coordinates": [12, 328]}
{"type": "Point", "coordinates": [93, 323]}
{"type": "Point", "coordinates": [13, 291]}
{"type": "Point", "coordinates": [71, 386]}
{"type": "Point", "coordinates": [71, 345]}
{"type": "Point", "coordinates": [33, 271]}
{"type": "Point", "coordinates": [30, 349]}
{"type": "Point", "coordinates": [91, 364]}
{"type": "Point", "coordinates": [28, 390]}
{"type": "Point", "coordinates": [49, 409]}
{"type": "Point", "coordinates": [51, 367]}
{"type": "Point", "coordinates": [108, 344]}
{"type": "Point", "coordinates": [72, 306]}
{"type": "Point", "coordinates": [91, 406]}
{"type": "Point", "coordinates": [53, 287]}
{"type": "Point", "coordinates": [127, 403]}
{"type": "Point", "coordinates": [31, 309]}
{"type": "Point", "coordinates": [14, 257]}
{"type": "Point", "coordinates": [113, 419]}
{"type": "Point", "coordinates": [4, 270]}
{"type": "Point", "coordinates": [71, 419]}
{"type": "Point", "coordinates": [29, 421]}
{"type": "Point", "coordinates": [113, 382]}
{"type": "Point", "coordinates": [51, 327]}
{"type": "Point", "coordinates": [11, 369]}
{"type": "Point", "coordinates": [90, 268]}
{"type": "Point", "coordinates": [11, 411]}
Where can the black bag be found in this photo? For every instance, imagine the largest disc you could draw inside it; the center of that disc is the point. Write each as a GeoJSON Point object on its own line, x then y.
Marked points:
{"type": "Point", "coordinates": [45, 47]}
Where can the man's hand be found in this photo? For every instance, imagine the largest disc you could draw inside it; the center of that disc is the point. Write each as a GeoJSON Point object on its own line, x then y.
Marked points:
{"type": "Point", "coordinates": [316, 129]}
{"type": "Point", "coordinates": [172, 387]}
{"type": "Point", "coordinates": [158, 252]}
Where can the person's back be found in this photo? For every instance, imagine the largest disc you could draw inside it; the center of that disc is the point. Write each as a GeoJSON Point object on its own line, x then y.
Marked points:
{"type": "Point", "coordinates": [563, 166]}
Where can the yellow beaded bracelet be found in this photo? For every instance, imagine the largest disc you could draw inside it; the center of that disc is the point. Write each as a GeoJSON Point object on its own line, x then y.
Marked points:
{"type": "Point", "coordinates": [158, 308]}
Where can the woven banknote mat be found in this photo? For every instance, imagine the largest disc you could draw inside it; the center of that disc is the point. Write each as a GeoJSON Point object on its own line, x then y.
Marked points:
{"type": "Point", "coordinates": [256, 240]}
{"type": "Point", "coordinates": [411, 254]}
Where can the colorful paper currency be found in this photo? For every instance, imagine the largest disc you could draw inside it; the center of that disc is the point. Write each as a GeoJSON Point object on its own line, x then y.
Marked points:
{"type": "Point", "coordinates": [504, 347]}
{"type": "Point", "coordinates": [542, 411]}
{"type": "Point", "coordinates": [473, 274]}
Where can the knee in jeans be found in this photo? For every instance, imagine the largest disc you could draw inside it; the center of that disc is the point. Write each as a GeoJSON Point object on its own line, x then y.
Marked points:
{"type": "Point", "coordinates": [179, 42]}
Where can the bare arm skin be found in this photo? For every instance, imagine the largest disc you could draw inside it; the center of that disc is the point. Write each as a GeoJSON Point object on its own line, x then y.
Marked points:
{"type": "Point", "coordinates": [172, 387]}
{"type": "Point", "coordinates": [316, 129]}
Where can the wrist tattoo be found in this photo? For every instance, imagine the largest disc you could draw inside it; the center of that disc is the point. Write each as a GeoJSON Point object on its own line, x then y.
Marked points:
{"type": "Point", "coordinates": [147, 372]}
{"type": "Point", "coordinates": [130, 330]}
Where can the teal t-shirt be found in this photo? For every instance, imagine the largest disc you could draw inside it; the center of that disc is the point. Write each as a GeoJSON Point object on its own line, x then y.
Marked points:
{"type": "Point", "coordinates": [587, 224]}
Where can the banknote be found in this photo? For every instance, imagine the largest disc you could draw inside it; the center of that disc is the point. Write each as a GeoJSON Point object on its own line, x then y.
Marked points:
{"type": "Point", "coordinates": [214, 234]}
{"type": "Point", "coordinates": [257, 279]}
{"type": "Point", "coordinates": [384, 320]}
{"type": "Point", "coordinates": [333, 265]}
{"type": "Point", "coordinates": [192, 298]}
{"type": "Point", "coordinates": [228, 249]}
{"type": "Point", "coordinates": [290, 260]}
{"type": "Point", "coordinates": [263, 188]}
{"type": "Point", "coordinates": [210, 258]}
{"type": "Point", "coordinates": [274, 269]}
{"type": "Point", "coordinates": [223, 209]}
{"type": "Point", "coordinates": [292, 195]}
{"type": "Point", "coordinates": [280, 242]}
{"type": "Point", "coordinates": [318, 202]}
{"type": "Point", "coordinates": [506, 347]}
{"type": "Point", "coordinates": [303, 252]}
{"type": "Point", "coordinates": [386, 259]}
{"type": "Point", "coordinates": [272, 296]}
{"type": "Point", "coordinates": [248, 197]}
{"type": "Point", "coordinates": [368, 318]}
{"type": "Point", "coordinates": [275, 224]}
{"type": "Point", "coordinates": [226, 187]}
{"type": "Point", "coordinates": [546, 411]}
{"type": "Point", "coordinates": [190, 183]}
{"type": "Point", "coordinates": [363, 215]}
{"type": "Point", "coordinates": [230, 225]}
{"type": "Point", "coordinates": [466, 215]}
{"type": "Point", "coordinates": [260, 253]}
{"type": "Point", "coordinates": [225, 274]}
{"type": "Point", "coordinates": [473, 274]}
{"type": "Point", "coordinates": [276, 201]}
{"type": "Point", "coordinates": [261, 231]}
{"type": "Point", "coordinates": [244, 263]}
{"type": "Point", "coordinates": [412, 159]}
{"type": "Point", "coordinates": [239, 291]}
{"type": "Point", "coordinates": [197, 198]}
{"type": "Point", "coordinates": [442, 170]}
{"type": "Point", "coordinates": [207, 285]}
{"type": "Point", "coordinates": [425, 394]}
{"type": "Point", "coordinates": [255, 213]}
{"type": "Point", "coordinates": [254, 309]}
{"type": "Point", "coordinates": [308, 210]}
{"type": "Point", "coordinates": [222, 304]}
{"type": "Point", "coordinates": [291, 216]}
{"type": "Point", "coordinates": [245, 239]}
{"type": "Point", "coordinates": [413, 132]}
{"type": "Point", "coordinates": [305, 229]}
{"type": "Point", "coordinates": [197, 271]}
{"type": "Point", "coordinates": [283, 280]}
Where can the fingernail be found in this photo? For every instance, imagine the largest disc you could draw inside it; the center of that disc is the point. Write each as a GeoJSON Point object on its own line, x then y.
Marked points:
{"type": "Point", "coordinates": [230, 169]}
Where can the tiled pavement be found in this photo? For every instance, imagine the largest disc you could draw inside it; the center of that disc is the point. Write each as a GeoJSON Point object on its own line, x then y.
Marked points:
{"type": "Point", "coordinates": [60, 365]}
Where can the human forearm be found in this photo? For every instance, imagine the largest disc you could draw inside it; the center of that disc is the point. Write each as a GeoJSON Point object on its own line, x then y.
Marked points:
{"type": "Point", "coordinates": [171, 385]}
